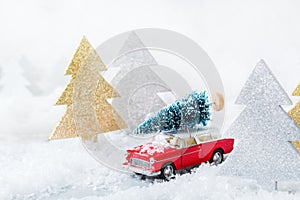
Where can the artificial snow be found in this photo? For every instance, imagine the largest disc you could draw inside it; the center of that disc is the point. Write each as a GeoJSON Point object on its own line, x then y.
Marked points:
{"type": "Point", "coordinates": [151, 148]}
{"type": "Point", "coordinates": [43, 170]}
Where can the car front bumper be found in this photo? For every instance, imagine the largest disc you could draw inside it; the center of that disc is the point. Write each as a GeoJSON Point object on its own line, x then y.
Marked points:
{"type": "Point", "coordinates": [142, 171]}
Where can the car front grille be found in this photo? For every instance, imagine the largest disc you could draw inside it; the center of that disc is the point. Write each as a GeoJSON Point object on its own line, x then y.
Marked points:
{"type": "Point", "coordinates": [139, 163]}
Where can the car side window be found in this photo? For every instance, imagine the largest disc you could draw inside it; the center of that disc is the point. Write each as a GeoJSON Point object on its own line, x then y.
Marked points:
{"type": "Point", "coordinates": [197, 140]}
{"type": "Point", "coordinates": [190, 142]}
{"type": "Point", "coordinates": [204, 138]}
{"type": "Point", "coordinates": [177, 143]}
{"type": "Point", "coordinates": [174, 141]}
{"type": "Point", "coordinates": [182, 143]}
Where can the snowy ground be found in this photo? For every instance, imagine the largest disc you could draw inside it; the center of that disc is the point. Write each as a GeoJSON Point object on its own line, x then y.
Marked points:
{"type": "Point", "coordinates": [64, 170]}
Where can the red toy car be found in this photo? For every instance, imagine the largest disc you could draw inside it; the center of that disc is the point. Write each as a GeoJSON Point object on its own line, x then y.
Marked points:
{"type": "Point", "coordinates": [170, 153]}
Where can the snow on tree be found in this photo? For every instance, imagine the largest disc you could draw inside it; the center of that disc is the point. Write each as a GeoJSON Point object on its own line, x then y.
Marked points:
{"type": "Point", "coordinates": [295, 114]}
{"type": "Point", "coordinates": [87, 57]}
{"type": "Point", "coordinates": [136, 83]}
{"type": "Point", "coordinates": [263, 132]}
{"type": "Point", "coordinates": [192, 110]}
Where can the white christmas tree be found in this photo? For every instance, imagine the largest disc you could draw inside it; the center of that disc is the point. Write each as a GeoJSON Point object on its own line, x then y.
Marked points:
{"type": "Point", "coordinates": [32, 75]}
{"type": "Point", "coordinates": [136, 83]}
{"type": "Point", "coordinates": [263, 132]}
{"type": "Point", "coordinates": [42, 80]}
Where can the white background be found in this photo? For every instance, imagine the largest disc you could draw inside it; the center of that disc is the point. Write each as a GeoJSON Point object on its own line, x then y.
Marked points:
{"type": "Point", "coordinates": [38, 39]}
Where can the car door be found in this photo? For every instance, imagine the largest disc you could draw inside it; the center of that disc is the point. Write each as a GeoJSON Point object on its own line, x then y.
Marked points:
{"type": "Point", "coordinates": [190, 153]}
{"type": "Point", "coordinates": [207, 150]}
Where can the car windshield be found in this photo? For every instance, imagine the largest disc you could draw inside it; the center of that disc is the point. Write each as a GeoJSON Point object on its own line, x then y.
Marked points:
{"type": "Point", "coordinates": [167, 140]}
{"type": "Point", "coordinates": [173, 141]}
{"type": "Point", "coordinates": [176, 141]}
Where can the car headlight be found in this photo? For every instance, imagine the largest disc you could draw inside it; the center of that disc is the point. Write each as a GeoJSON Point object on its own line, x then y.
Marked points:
{"type": "Point", "coordinates": [152, 160]}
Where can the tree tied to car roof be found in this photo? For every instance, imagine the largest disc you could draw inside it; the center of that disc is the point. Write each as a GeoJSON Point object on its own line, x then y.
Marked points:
{"type": "Point", "coordinates": [192, 110]}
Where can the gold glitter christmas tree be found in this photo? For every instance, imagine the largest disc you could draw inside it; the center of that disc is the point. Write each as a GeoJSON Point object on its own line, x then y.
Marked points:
{"type": "Point", "coordinates": [66, 127]}
{"type": "Point", "coordinates": [92, 112]}
{"type": "Point", "coordinates": [90, 104]}
{"type": "Point", "coordinates": [297, 91]}
{"type": "Point", "coordinates": [297, 145]}
{"type": "Point", "coordinates": [295, 114]}
{"type": "Point", "coordinates": [108, 119]}
{"type": "Point", "coordinates": [81, 54]}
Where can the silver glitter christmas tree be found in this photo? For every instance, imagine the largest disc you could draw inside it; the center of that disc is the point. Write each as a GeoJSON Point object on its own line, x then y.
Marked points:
{"type": "Point", "coordinates": [262, 133]}
{"type": "Point", "coordinates": [136, 83]}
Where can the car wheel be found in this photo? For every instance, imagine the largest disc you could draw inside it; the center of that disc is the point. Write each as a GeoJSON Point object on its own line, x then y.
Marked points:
{"type": "Point", "coordinates": [168, 172]}
{"type": "Point", "coordinates": [140, 176]}
{"type": "Point", "coordinates": [217, 157]}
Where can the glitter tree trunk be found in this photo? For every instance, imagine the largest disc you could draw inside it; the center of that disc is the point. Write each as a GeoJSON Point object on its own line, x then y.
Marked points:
{"type": "Point", "coordinates": [263, 132]}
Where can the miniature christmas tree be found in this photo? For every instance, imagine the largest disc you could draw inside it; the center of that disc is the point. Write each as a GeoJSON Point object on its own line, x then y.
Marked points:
{"type": "Point", "coordinates": [136, 83]}
{"type": "Point", "coordinates": [66, 127]}
{"type": "Point", "coordinates": [192, 110]}
{"type": "Point", "coordinates": [87, 60]}
{"type": "Point", "coordinates": [295, 114]}
{"type": "Point", "coordinates": [108, 119]}
{"type": "Point", "coordinates": [90, 94]}
{"type": "Point", "coordinates": [31, 75]}
{"type": "Point", "coordinates": [263, 132]}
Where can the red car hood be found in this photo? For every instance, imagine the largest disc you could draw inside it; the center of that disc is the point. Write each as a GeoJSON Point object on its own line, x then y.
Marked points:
{"type": "Point", "coordinates": [151, 149]}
